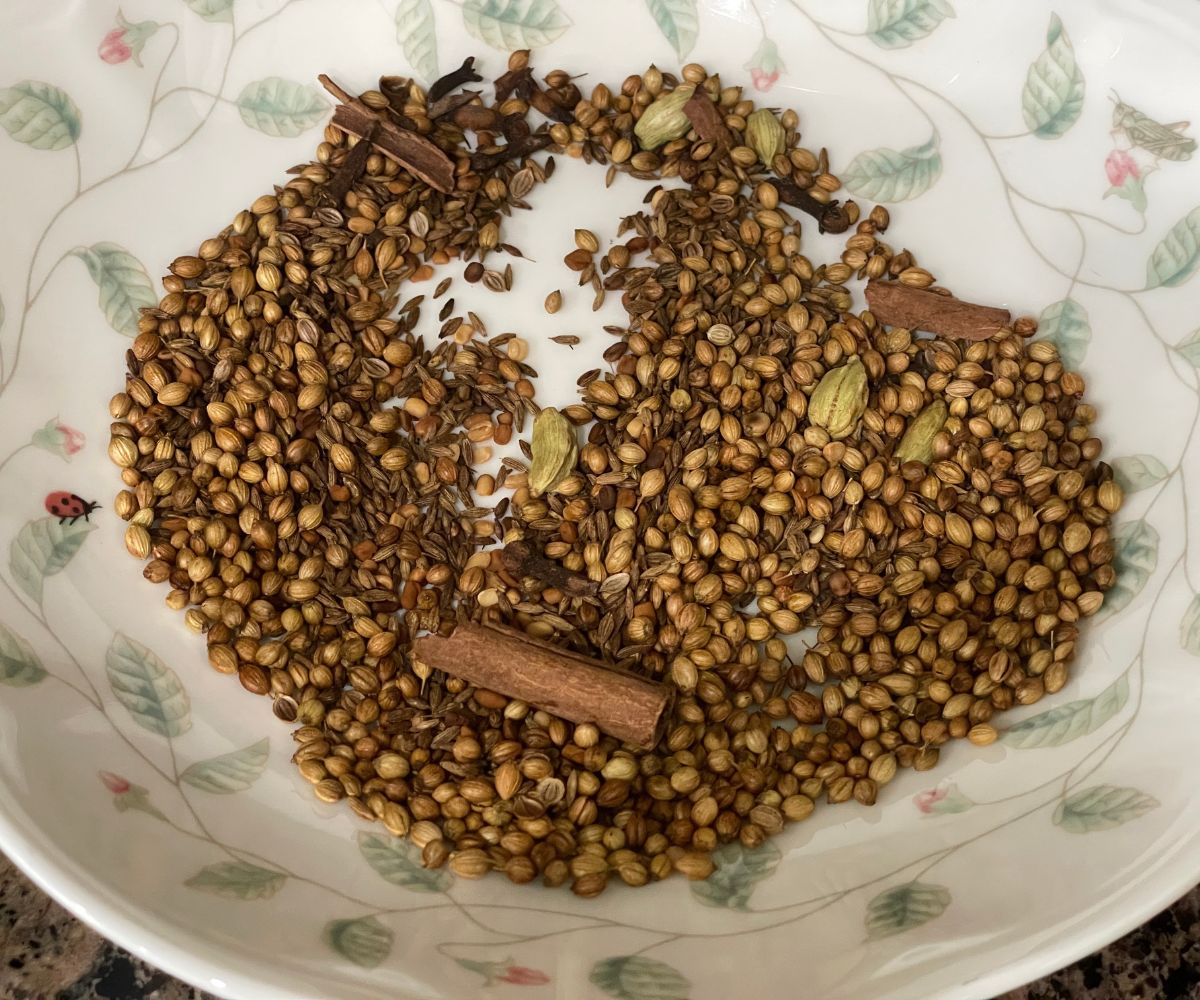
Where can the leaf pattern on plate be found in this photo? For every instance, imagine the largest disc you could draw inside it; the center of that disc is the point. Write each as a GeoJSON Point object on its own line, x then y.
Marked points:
{"type": "Point", "coordinates": [1068, 722]}
{"type": "Point", "coordinates": [895, 24]}
{"type": "Point", "coordinates": [43, 548]}
{"type": "Point", "coordinates": [738, 870]}
{"type": "Point", "coordinates": [1189, 348]}
{"type": "Point", "coordinates": [417, 35]}
{"type": "Point", "coordinates": [1135, 557]}
{"type": "Point", "coordinates": [1102, 807]}
{"type": "Point", "coordinates": [904, 907]}
{"type": "Point", "coordinates": [1136, 472]}
{"type": "Point", "coordinates": [231, 772]}
{"type": "Point", "coordinates": [237, 880]}
{"type": "Point", "coordinates": [1174, 260]}
{"type": "Point", "coordinates": [212, 10]}
{"type": "Point", "coordinates": [1052, 100]}
{"type": "Point", "coordinates": [891, 175]}
{"type": "Point", "coordinates": [399, 861]}
{"type": "Point", "coordinates": [125, 288]}
{"type": "Point", "coordinates": [40, 115]}
{"type": "Point", "coordinates": [679, 22]}
{"type": "Point", "coordinates": [364, 941]}
{"type": "Point", "coordinates": [1189, 628]}
{"type": "Point", "coordinates": [515, 24]}
{"type": "Point", "coordinates": [148, 688]}
{"type": "Point", "coordinates": [281, 108]}
{"type": "Point", "coordinates": [635, 977]}
{"type": "Point", "coordinates": [1065, 324]}
{"type": "Point", "coordinates": [19, 664]}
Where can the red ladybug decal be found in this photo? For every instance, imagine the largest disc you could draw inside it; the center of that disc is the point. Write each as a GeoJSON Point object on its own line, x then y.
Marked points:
{"type": "Point", "coordinates": [68, 507]}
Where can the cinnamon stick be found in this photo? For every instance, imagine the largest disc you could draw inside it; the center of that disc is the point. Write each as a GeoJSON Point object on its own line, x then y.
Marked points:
{"type": "Point", "coordinates": [896, 304]}
{"type": "Point", "coordinates": [412, 151]}
{"type": "Point", "coordinates": [560, 682]}
{"type": "Point", "coordinates": [522, 559]}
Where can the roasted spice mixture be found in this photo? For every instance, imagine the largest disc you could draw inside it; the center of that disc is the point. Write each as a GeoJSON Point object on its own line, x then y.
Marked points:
{"type": "Point", "coordinates": [758, 458]}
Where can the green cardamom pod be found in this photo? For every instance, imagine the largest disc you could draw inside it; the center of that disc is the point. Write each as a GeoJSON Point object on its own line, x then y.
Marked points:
{"type": "Point", "coordinates": [917, 443]}
{"type": "Point", "coordinates": [765, 135]}
{"type": "Point", "coordinates": [555, 451]}
{"type": "Point", "coordinates": [664, 120]}
{"type": "Point", "coordinates": [839, 399]}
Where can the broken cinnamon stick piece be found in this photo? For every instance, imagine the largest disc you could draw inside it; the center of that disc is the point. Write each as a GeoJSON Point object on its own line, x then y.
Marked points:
{"type": "Point", "coordinates": [414, 152]}
{"type": "Point", "coordinates": [896, 304]}
{"type": "Point", "coordinates": [560, 682]}
{"type": "Point", "coordinates": [522, 559]}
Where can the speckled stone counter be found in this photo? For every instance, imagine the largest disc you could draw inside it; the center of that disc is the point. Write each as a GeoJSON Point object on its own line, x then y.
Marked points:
{"type": "Point", "coordinates": [46, 954]}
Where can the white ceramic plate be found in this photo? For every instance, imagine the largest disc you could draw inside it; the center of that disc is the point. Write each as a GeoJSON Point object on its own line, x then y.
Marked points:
{"type": "Point", "coordinates": [996, 135]}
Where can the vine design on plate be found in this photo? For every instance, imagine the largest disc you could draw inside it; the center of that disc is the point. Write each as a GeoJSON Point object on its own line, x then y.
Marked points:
{"type": "Point", "coordinates": [149, 708]}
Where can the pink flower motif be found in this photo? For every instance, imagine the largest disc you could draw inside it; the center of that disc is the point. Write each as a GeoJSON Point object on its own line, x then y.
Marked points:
{"type": "Point", "coordinates": [126, 40]}
{"type": "Point", "coordinates": [518, 975]}
{"type": "Point", "coordinates": [73, 440]}
{"type": "Point", "coordinates": [113, 49]}
{"type": "Point", "coordinates": [926, 800]}
{"type": "Point", "coordinates": [114, 782]}
{"type": "Point", "coordinates": [59, 439]}
{"type": "Point", "coordinates": [765, 65]}
{"type": "Point", "coordinates": [1120, 166]}
{"type": "Point", "coordinates": [763, 81]}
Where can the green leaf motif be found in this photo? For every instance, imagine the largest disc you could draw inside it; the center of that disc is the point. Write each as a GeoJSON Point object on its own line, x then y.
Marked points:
{"type": "Point", "coordinates": [148, 688]}
{"type": "Point", "coordinates": [39, 115]}
{"type": "Point", "coordinates": [43, 548]}
{"type": "Point", "coordinates": [364, 941]}
{"type": "Point", "coordinates": [1135, 556]}
{"type": "Point", "coordinates": [1175, 259]}
{"type": "Point", "coordinates": [1068, 722]}
{"type": "Point", "coordinates": [515, 24]}
{"type": "Point", "coordinates": [904, 907]}
{"type": "Point", "coordinates": [1053, 96]}
{"type": "Point", "coordinates": [635, 977]}
{"type": "Point", "coordinates": [1102, 807]}
{"type": "Point", "coordinates": [1065, 324]}
{"type": "Point", "coordinates": [888, 175]}
{"type": "Point", "coordinates": [1189, 628]}
{"type": "Point", "coordinates": [1189, 349]}
{"type": "Point", "coordinates": [281, 108]}
{"type": "Point", "coordinates": [738, 870]}
{"type": "Point", "coordinates": [231, 772]}
{"type": "Point", "coordinates": [679, 22]}
{"type": "Point", "coordinates": [237, 880]}
{"type": "Point", "coordinates": [896, 24]}
{"type": "Point", "coordinates": [212, 10]}
{"type": "Point", "coordinates": [19, 664]}
{"type": "Point", "coordinates": [1136, 472]}
{"type": "Point", "coordinates": [417, 35]}
{"type": "Point", "coordinates": [399, 861]}
{"type": "Point", "coordinates": [124, 286]}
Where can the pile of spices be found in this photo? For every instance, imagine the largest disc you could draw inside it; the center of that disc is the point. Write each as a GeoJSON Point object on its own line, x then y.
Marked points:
{"type": "Point", "coordinates": [758, 459]}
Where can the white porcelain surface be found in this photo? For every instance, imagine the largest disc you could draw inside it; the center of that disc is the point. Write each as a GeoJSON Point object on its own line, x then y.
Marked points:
{"type": "Point", "coordinates": [996, 145]}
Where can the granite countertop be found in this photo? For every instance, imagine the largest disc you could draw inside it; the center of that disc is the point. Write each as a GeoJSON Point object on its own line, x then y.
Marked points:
{"type": "Point", "coordinates": [46, 954]}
